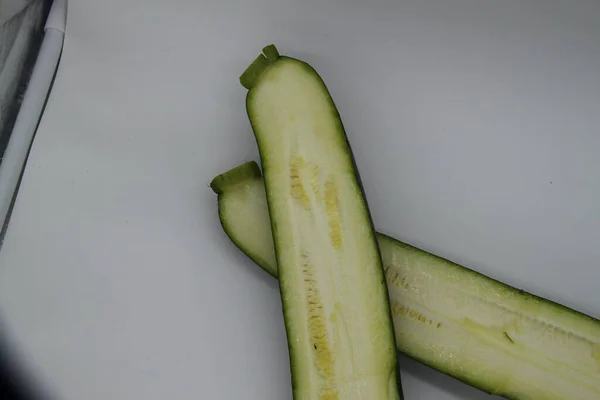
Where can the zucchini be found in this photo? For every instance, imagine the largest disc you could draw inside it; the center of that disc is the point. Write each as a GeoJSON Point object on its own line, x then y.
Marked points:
{"type": "Point", "coordinates": [335, 302]}
{"type": "Point", "coordinates": [494, 337]}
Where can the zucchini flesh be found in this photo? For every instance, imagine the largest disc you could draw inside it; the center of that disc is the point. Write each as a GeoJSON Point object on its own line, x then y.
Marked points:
{"type": "Point", "coordinates": [494, 337]}
{"type": "Point", "coordinates": [335, 301]}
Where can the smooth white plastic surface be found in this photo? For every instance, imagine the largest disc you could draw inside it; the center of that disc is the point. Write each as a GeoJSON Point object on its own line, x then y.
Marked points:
{"type": "Point", "coordinates": [475, 128]}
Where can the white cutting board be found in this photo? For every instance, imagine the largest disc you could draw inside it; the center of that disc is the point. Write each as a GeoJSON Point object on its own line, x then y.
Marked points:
{"type": "Point", "coordinates": [475, 125]}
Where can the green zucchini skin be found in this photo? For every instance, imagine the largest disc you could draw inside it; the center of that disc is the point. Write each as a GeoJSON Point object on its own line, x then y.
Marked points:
{"type": "Point", "coordinates": [341, 345]}
{"type": "Point", "coordinates": [567, 366]}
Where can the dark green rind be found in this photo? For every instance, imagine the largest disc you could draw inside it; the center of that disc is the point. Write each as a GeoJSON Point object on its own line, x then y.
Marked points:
{"type": "Point", "coordinates": [249, 79]}
{"type": "Point", "coordinates": [271, 52]}
{"type": "Point", "coordinates": [258, 67]}
{"type": "Point", "coordinates": [249, 170]}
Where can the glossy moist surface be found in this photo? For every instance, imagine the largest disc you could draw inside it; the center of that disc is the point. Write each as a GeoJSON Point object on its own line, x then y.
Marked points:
{"type": "Point", "coordinates": [334, 296]}
{"type": "Point", "coordinates": [490, 335]}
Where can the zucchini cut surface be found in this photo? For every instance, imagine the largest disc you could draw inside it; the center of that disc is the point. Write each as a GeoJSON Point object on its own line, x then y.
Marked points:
{"type": "Point", "coordinates": [487, 334]}
{"type": "Point", "coordinates": [335, 301]}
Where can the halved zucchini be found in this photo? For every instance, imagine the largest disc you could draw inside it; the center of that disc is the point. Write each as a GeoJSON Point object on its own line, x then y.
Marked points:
{"type": "Point", "coordinates": [494, 337]}
{"type": "Point", "coordinates": [335, 301]}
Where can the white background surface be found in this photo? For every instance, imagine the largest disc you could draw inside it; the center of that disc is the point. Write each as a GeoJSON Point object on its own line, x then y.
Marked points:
{"type": "Point", "coordinates": [475, 125]}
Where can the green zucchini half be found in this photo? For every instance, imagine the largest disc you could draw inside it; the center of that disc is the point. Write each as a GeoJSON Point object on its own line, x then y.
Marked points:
{"type": "Point", "coordinates": [335, 301]}
{"type": "Point", "coordinates": [492, 336]}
